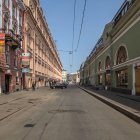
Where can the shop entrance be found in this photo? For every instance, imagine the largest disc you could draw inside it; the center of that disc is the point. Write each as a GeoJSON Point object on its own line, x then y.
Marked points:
{"type": "Point", "coordinates": [7, 83]}
{"type": "Point", "coordinates": [137, 77]}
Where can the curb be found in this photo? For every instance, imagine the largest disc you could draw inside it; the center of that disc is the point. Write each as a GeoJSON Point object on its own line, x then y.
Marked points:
{"type": "Point", "coordinates": [119, 107]}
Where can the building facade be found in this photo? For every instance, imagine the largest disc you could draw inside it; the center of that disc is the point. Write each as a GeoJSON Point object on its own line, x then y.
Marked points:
{"type": "Point", "coordinates": [115, 60]}
{"type": "Point", "coordinates": [45, 64]}
{"type": "Point", "coordinates": [74, 77]}
{"type": "Point", "coordinates": [64, 76]}
{"type": "Point", "coordinates": [11, 34]}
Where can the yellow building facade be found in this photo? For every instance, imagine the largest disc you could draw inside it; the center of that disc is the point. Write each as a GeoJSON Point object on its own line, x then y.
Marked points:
{"type": "Point", "coordinates": [45, 64]}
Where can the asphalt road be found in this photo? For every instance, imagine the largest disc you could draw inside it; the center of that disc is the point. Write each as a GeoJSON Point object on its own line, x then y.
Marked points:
{"type": "Point", "coordinates": [63, 114]}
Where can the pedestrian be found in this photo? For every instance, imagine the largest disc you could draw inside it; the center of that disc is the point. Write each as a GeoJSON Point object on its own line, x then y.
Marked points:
{"type": "Point", "coordinates": [33, 86]}
{"type": "Point", "coordinates": [50, 84]}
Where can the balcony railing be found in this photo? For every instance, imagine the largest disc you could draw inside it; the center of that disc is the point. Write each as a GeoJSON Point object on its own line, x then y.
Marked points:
{"type": "Point", "coordinates": [11, 34]}
{"type": "Point", "coordinates": [123, 10]}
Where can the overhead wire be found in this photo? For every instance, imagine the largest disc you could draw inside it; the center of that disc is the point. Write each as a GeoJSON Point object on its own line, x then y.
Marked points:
{"type": "Point", "coordinates": [81, 25]}
{"type": "Point", "coordinates": [65, 51]}
{"type": "Point", "coordinates": [73, 24]}
{"type": "Point", "coordinates": [73, 30]}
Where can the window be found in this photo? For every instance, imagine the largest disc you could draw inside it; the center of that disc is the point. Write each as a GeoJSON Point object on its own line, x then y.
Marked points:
{"type": "Point", "coordinates": [108, 79]}
{"type": "Point", "coordinates": [100, 66]}
{"type": "Point", "coordinates": [14, 29]}
{"type": "Point", "coordinates": [7, 58]}
{"type": "Point", "coordinates": [15, 61]}
{"type": "Point", "coordinates": [20, 20]}
{"type": "Point", "coordinates": [122, 78]}
{"type": "Point", "coordinates": [5, 25]}
{"type": "Point", "coordinates": [28, 40]}
{"type": "Point", "coordinates": [14, 11]}
{"type": "Point", "coordinates": [121, 56]}
{"type": "Point", "coordinates": [100, 78]}
{"type": "Point", "coordinates": [5, 2]}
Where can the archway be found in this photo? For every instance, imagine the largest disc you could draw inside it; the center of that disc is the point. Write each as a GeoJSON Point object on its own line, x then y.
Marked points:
{"type": "Point", "coordinates": [100, 76]}
{"type": "Point", "coordinates": [122, 73]}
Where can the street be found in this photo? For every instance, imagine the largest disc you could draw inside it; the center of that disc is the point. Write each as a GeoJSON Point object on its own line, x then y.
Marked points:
{"type": "Point", "coordinates": [62, 114]}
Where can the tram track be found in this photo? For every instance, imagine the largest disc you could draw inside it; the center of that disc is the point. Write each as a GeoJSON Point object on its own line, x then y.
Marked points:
{"type": "Point", "coordinates": [4, 103]}
{"type": "Point", "coordinates": [31, 103]}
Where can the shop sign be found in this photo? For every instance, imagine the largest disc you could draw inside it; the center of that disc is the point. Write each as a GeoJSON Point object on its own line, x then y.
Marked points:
{"type": "Point", "coordinates": [25, 70]}
{"type": "Point", "coordinates": [2, 42]}
{"type": "Point", "coordinates": [25, 59]}
{"type": "Point", "coordinates": [2, 36]}
{"type": "Point", "coordinates": [26, 55]}
{"type": "Point", "coordinates": [25, 63]}
{"type": "Point", "coordinates": [2, 50]}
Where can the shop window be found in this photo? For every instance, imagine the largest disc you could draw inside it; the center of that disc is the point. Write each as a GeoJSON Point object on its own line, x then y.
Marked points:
{"type": "Point", "coordinates": [122, 78]}
{"type": "Point", "coordinates": [121, 55]}
{"type": "Point", "coordinates": [108, 79]}
{"type": "Point", "coordinates": [100, 78]}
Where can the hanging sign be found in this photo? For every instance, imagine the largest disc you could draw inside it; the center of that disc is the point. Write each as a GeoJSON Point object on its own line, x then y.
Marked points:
{"type": "Point", "coordinates": [25, 60]}
{"type": "Point", "coordinates": [25, 70]}
{"type": "Point", "coordinates": [2, 50]}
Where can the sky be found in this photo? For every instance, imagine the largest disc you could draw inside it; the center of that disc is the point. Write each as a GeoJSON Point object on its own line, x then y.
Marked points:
{"type": "Point", "coordinates": [60, 14]}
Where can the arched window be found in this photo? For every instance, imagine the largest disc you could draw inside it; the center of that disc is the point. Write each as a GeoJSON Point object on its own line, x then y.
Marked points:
{"type": "Point", "coordinates": [121, 55]}
{"type": "Point", "coordinates": [100, 66]}
{"type": "Point", "coordinates": [107, 62]}
{"type": "Point", "coordinates": [100, 76]}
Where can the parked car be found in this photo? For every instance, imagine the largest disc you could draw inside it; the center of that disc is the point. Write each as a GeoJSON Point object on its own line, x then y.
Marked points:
{"type": "Point", "coordinates": [59, 85]}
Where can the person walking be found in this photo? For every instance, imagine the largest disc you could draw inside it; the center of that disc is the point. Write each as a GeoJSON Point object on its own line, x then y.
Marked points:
{"type": "Point", "coordinates": [33, 86]}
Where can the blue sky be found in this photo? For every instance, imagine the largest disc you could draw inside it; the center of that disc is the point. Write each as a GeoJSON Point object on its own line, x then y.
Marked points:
{"type": "Point", "coordinates": [59, 15]}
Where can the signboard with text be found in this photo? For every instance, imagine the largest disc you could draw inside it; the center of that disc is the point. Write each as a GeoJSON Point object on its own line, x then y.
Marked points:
{"type": "Point", "coordinates": [25, 59]}
{"type": "Point", "coordinates": [2, 50]}
{"type": "Point", "coordinates": [25, 62]}
{"type": "Point", "coordinates": [25, 70]}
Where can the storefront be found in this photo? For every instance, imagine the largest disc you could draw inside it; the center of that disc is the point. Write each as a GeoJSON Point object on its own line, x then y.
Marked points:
{"type": "Point", "coordinates": [2, 63]}
{"type": "Point", "coordinates": [108, 78]}
{"type": "Point", "coordinates": [137, 79]}
{"type": "Point", "coordinates": [122, 78]}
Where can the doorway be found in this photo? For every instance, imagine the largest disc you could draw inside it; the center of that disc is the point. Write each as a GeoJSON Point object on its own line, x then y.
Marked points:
{"type": "Point", "coordinates": [7, 83]}
{"type": "Point", "coordinates": [137, 77]}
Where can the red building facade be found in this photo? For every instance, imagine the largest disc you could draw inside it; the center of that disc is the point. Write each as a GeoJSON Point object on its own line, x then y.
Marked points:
{"type": "Point", "coordinates": [11, 25]}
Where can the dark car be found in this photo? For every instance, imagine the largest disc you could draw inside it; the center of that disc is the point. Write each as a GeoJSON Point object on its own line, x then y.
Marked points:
{"type": "Point", "coordinates": [59, 85]}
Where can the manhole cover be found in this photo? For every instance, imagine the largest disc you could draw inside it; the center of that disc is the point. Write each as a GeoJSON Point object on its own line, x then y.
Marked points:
{"type": "Point", "coordinates": [66, 111]}
{"type": "Point", "coordinates": [29, 125]}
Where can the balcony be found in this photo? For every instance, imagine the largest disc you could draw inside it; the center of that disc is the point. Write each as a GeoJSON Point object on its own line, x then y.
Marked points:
{"type": "Point", "coordinates": [123, 10]}
{"type": "Point", "coordinates": [11, 38]}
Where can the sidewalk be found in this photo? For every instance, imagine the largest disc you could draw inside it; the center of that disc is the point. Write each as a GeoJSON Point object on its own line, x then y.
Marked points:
{"type": "Point", "coordinates": [126, 104]}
